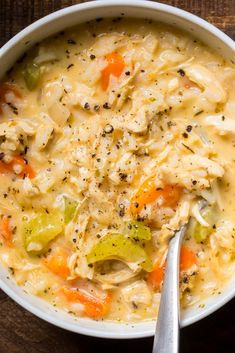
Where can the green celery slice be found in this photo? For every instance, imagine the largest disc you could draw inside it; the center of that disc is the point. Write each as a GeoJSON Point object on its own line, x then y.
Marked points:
{"type": "Point", "coordinates": [31, 74]}
{"type": "Point", "coordinates": [40, 230]}
{"type": "Point", "coordinates": [138, 231]}
{"type": "Point", "coordinates": [199, 232]}
{"type": "Point", "coordinates": [70, 207]}
{"type": "Point", "coordinates": [116, 246]}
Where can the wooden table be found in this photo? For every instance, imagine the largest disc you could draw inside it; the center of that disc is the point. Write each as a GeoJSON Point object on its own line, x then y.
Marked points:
{"type": "Point", "coordinates": [20, 331]}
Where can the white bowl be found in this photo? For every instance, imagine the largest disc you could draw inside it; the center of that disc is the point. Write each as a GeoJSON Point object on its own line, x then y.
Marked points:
{"type": "Point", "coordinates": [56, 22]}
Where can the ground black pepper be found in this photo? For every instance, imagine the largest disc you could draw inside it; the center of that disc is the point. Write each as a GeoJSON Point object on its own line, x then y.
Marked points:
{"type": "Point", "coordinates": [106, 106]}
{"type": "Point", "coordinates": [181, 72]}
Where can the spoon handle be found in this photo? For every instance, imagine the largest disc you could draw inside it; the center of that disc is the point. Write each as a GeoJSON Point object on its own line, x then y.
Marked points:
{"type": "Point", "coordinates": [167, 331]}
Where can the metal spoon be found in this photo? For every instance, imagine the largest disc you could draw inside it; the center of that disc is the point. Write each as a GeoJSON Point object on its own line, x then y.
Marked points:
{"type": "Point", "coordinates": [166, 338]}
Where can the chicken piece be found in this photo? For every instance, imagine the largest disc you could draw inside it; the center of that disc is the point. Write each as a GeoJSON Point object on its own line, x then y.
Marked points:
{"type": "Point", "coordinates": [52, 94]}
{"type": "Point", "coordinates": [192, 171]}
{"type": "Point", "coordinates": [14, 135]}
{"type": "Point", "coordinates": [44, 134]}
{"type": "Point", "coordinates": [138, 293]}
{"type": "Point", "coordinates": [207, 80]}
{"type": "Point", "coordinates": [82, 96]}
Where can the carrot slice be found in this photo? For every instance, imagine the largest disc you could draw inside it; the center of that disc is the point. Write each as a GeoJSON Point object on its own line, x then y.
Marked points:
{"type": "Point", "coordinates": [57, 263]}
{"type": "Point", "coordinates": [114, 67]}
{"type": "Point", "coordinates": [27, 170]}
{"type": "Point", "coordinates": [155, 278]}
{"type": "Point", "coordinates": [171, 195]}
{"type": "Point", "coordinates": [4, 89]}
{"type": "Point", "coordinates": [187, 258]}
{"type": "Point", "coordinates": [148, 192]}
{"type": "Point", "coordinates": [93, 307]}
{"type": "Point", "coordinates": [6, 230]}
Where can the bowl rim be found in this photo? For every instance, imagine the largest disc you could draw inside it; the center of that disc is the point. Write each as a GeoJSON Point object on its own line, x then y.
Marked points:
{"type": "Point", "coordinates": [77, 328]}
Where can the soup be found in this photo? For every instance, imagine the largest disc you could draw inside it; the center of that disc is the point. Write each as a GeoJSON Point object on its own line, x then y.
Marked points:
{"type": "Point", "coordinates": [113, 135]}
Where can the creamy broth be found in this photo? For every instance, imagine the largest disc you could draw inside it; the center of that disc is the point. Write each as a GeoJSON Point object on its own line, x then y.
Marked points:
{"type": "Point", "coordinates": [113, 134]}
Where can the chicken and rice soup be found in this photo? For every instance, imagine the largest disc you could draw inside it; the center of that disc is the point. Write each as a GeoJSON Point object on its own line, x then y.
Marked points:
{"type": "Point", "coordinates": [113, 134]}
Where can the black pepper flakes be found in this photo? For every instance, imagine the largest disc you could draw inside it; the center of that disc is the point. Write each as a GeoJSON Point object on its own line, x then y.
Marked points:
{"type": "Point", "coordinates": [188, 148]}
{"type": "Point", "coordinates": [13, 108]}
{"type": "Point", "coordinates": [121, 210]}
{"type": "Point", "coordinates": [69, 66]}
{"type": "Point", "coordinates": [12, 271]}
{"type": "Point", "coordinates": [127, 73]}
{"type": "Point", "coordinates": [2, 154]}
{"type": "Point", "coordinates": [108, 129]}
{"type": "Point", "coordinates": [198, 113]}
{"type": "Point", "coordinates": [181, 72]}
{"type": "Point", "coordinates": [96, 108]}
{"type": "Point", "coordinates": [92, 57]}
{"type": "Point", "coordinates": [135, 306]}
{"type": "Point", "coordinates": [170, 123]}
{"type": "Point", "coordinates": [185, 135]}
{"type": "Point", "coordinates": [106, 106]}
{"type": "Point", "coordinates": [26, 149]}
{"type": "Point", "coordinates": [123, 176]}
{"type": "Point", "coordinates": [87, 106]}
{"type": "Point", "coordinates": [189, 128]}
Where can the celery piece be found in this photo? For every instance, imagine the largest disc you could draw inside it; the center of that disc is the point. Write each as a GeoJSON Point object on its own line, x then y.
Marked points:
{"type": "Point", "coordinates": [116, 246]}
{"type": "Point", "coordinates": [199, 232]}
{"type": "Point", "coordinates": [138, 231]}
{"type": "Point", "coordinates": [40, 230]}
{"type": "Point", "coordinates": [31, 74]}
{"type": "Point", "coordinates": [70, 207]}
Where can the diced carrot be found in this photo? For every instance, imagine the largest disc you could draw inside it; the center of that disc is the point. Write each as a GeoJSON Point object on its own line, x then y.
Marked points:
{"type": "Point", "coordinates": [149, 192]}
{"type": "Point", "coordinates": [93, 307]}
{"type": "Point", "coordinates": [187, 258]}
{"type": "Point", "coordinates": [114, 67]}
{"type": "Point", "coordinates": [155, 278]}
{"type": "Point", "coordinates": [57, 263]}
{"type": "Point", "coordinates": [6, 230]}
{"type": "Point", "coordinates": [171, 195]}
{"type": "Point", "coordinates": [27, 170]}
{"type": "Point", "coordinates": [4, 89]}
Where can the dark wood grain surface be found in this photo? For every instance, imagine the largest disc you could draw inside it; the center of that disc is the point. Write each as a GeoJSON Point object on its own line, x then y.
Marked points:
{"type": "Point", "coordinates": [20, 331]}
